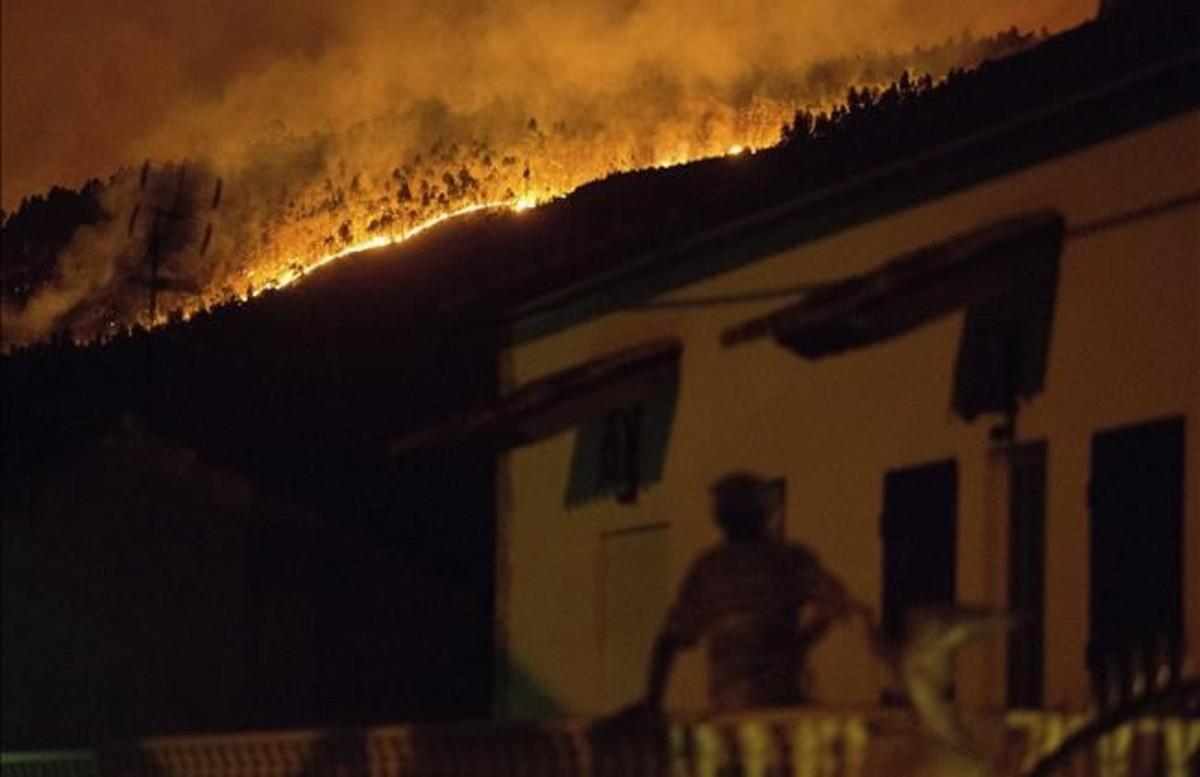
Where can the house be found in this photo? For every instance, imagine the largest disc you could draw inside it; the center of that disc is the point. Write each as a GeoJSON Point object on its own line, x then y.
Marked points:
{"type": "Point", "coordinates": [149, 590]}
{"type": "Point", "coordinates": [972, 363]}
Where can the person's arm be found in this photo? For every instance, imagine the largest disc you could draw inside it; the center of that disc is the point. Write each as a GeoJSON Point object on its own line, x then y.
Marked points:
{"type": "Point", "coordinates": [661, 660]}
{"type": "Point", "coordinates": [682, 629]}
{"type": "Point", "coordinates": [828, 602]}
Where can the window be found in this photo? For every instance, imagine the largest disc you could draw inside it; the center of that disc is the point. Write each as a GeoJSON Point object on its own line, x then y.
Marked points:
{"type": "Point", "coordinates": [618, 472]}
{"type": "Point", "coordinates": [920, 511]}
{"type": "Point", "coordinates": [1026, 572]}
{"type": "Point", "coordinates": [622, 451]}
{"type": "Point", "coordinates": [1136, 503]}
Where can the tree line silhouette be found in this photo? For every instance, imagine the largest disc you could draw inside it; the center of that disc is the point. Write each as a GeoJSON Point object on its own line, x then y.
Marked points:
{"type": "Point", "coordinates": [33, 236]}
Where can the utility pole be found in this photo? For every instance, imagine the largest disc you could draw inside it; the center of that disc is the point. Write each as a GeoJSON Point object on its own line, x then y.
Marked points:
{"type": "Point", "coordinates": [168, 202]}
{"type": "Point", "coordinates": [169, 206]}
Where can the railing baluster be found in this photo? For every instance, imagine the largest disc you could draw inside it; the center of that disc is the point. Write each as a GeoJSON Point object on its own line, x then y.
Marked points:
{"type": "Point", "coordinates": [709, 750]}
{"type": "Point", "coordinates": [804, 743]}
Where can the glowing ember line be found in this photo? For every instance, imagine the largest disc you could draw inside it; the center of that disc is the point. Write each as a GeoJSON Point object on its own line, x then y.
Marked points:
{"type": "Point", "coordinates": [297, 267]}
{"type": "Point", "coordinates": [298, 270]}
{"type": "Point", "coordinates": [292, 275]}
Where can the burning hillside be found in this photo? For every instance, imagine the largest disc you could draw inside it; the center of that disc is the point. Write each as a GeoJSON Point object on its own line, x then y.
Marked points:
{"type": "Point", "coordinates": [175, 238]}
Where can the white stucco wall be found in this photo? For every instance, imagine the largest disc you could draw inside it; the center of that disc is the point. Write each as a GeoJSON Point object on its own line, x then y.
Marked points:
{"type": "Point", "coordinates": [1125, 348]}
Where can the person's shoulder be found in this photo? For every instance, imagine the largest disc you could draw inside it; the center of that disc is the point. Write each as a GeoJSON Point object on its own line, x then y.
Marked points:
{"type": "Point", "coordinates": [799, 553]}
{"type": "Point", "coordinates": [711, 557]}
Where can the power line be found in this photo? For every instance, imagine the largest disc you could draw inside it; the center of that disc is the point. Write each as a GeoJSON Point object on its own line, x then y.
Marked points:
{"type": "Point", "coordinates": [1083, 230]}
{"type": "Point", "coordinates": [1106, 223]}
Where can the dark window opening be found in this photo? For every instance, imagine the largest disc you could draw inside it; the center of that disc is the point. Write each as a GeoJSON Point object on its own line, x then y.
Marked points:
{"type": "Point", "coordinates": [1026, 572]}
{"type": "Point", "coordinates": [622, 451]}
{"type": "Point", "coordinates": [1136, 503]}
{"type": "Point", "coordinates": [619, 455]}
{"type": "Point", "coordinates": [919, 529]}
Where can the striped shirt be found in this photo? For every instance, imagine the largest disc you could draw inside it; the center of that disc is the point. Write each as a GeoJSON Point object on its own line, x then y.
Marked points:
{"type": "Point", "coordinates": [749, 600]}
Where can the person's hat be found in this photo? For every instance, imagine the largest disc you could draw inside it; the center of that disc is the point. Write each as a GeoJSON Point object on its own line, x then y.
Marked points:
{"type": "Point", "coordinates": [740, 491]}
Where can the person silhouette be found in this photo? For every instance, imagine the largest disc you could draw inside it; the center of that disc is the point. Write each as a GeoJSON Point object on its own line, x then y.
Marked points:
{"type": "Point", "coordinates": [761, 603]}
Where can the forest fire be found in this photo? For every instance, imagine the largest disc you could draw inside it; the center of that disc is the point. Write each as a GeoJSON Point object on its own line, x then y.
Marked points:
{"type": "Point", "coordinates": [288, 203]}
{"type": "Point", "coordinates": [296, 270]}
{"type": "Point", "coordinates": [324, 221]}
{"type": "Point", "coordinates": [298, 267]}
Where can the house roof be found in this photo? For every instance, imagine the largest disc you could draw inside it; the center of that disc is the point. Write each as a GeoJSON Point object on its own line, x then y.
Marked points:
{"type": "Point", "coordinates": [558, 401]}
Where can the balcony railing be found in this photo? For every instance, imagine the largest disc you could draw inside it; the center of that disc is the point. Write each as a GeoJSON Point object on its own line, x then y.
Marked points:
{"type": "Point", "coordinates": [791, 743]}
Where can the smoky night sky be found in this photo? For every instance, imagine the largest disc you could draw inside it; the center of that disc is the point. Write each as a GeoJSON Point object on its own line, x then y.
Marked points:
{"type": "Point", "coordinates": [89, 85]}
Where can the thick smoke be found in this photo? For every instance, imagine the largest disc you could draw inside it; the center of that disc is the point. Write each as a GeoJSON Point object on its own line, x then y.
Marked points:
{"type": "Point", "coordinates": [327, 119]}
{"type": "Point", "coordinates": [89, 85]}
